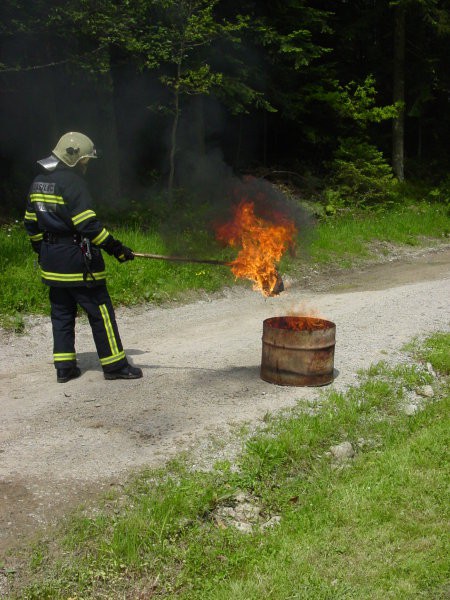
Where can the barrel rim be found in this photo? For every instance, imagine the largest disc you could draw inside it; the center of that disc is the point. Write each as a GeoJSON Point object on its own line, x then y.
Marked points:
{"type": "Point", "coordinates": [328, 324]}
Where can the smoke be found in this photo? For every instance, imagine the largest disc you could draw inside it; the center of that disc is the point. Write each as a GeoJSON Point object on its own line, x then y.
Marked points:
{"type": "Point", "coordinates": [214, 191]}
{"type": "Point", "coordinates": [206, 177]}
{"type": "Point", "coordinates": [211, 184]}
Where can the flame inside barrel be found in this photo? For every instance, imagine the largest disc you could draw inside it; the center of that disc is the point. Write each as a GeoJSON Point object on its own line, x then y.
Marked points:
{"type": "Point", "coordinates": [299, 323]}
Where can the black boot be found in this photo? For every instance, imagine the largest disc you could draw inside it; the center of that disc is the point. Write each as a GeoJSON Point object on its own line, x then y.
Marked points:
{"type": "Point", "coordinates": [64, 375]}
{"type": "Point", "coordinates": [127, 372]}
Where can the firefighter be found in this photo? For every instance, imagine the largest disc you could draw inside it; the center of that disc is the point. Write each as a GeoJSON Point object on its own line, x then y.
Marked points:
{"type": "Point", "coordinates": [68, 237]}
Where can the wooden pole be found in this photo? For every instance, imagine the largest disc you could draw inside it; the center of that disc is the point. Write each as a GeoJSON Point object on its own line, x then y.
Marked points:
{"type": "Point", "coordinates": [181, 259]}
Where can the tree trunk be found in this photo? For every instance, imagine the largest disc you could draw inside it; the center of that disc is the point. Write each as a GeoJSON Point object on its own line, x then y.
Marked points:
{"type": "Point", "coordinates": [199, 126]}
{"type": "Point", "coordinates": [398, 126]}
{"type": "Point", "coordinates": [173, 134]}
{"type": "Point", "coordinates": [173, 144]}
{"type": "Point", "coordinates": [265, 128]}
{"type": "Point", "coordinates": [106, 130]}
{"type": "Point", "coordinates": [53, 76]}
{"type": "Point", "coordinates": [419, 138]}
{"type": "Point", "coordinates": [237, 160]}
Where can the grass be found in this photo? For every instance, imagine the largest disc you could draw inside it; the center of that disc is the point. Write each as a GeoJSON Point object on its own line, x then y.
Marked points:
{"type": "Point", "coordinates": [371, 527]}
{"type": "Point", "coordinates": [339, 240]}
{"type": "Point", "coordinates": [131, 283]}
{"type": "Point", "coordinates": [147, 280]}
{"type": "Point", "coordinates": [344, 238]}
{"type": "Point", "coordinates": [435, 349]}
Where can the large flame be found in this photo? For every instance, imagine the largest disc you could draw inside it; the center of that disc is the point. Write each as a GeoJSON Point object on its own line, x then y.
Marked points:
{"type": "Point", "coordinates": [262, 243]}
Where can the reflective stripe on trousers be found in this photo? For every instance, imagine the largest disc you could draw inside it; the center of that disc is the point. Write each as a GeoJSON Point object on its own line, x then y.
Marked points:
{"type": "Point", "coordinates": [98, 306]}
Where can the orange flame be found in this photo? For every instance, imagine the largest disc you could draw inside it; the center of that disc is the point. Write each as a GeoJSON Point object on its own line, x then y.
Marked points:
{"type": "Point", "coordinates": [262, 243]}
{"type": "Point", "coordinates": [299, 323]}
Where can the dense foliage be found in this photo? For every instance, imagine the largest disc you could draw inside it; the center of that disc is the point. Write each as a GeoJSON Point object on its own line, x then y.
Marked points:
{"type": "Point", "coordinates": [179, 94]}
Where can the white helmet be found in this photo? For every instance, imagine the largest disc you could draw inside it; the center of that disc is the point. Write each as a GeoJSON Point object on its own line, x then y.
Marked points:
{"type": "Point", "coordinates": [70, 149]}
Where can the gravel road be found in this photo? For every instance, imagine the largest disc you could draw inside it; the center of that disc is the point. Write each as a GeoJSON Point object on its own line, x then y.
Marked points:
{"type": "Point", "coordinates": [61, 444]}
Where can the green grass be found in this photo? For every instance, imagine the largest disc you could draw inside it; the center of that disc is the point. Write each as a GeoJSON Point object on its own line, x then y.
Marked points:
{"type": "Point", "coordinates": [339, 240]}
{"type": "Point", "coordinates": [143, 280]}
{"type": "Point", "coordinates": [373, 527]}
{"type": "Point", "coordinates": [434, 350]}
{"type": "Point", "coordinates": [148, 280]}
{"type": "Point", "coordinates": [21, 293]}
{"type": "Point", "coordinates": [344, 238]}
{"type": "Point", "coordinates": [376, 531]}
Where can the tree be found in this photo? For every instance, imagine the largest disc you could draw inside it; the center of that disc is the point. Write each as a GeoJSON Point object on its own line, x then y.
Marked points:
{"type": "Point", "coordinates": [196, 47]}
{"type": "Point", "coordinates": [169, 38]}
{"type": "Point", "coordinates": [398, 91]}
{"type": "Point", "coordinates": [43, 48]}
{"type": "Point", "coordinates": [289, 40]}
{"type": "Point", "coordinates": [403, 44]}
{"type": "Point", "coordinates": [435, 20]}
{"type": "Point", "coordinates": [291, 81]}
{"type": "Point", "coordinates": [184, 29]}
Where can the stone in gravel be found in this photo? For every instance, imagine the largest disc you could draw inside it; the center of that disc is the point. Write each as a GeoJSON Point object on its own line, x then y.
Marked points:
{"type": "Point", "coordinates": [4, 586]}
{"type": "Point", "coordinates": [410, 409]}
{"type": "Point", "coordinates": [247, 512]}
{"type": "Point", "coordinates": [426, 391]}
{"type": "Point", "coordinates": [430, 369]}
{"type": "Point", "coordinates": [343, 451]}
{"type": "Point", "coordinates": [241, 497]}
{"type": "Point", "coordinates": [227, 512]}
{"type": "Point", "coordinates": [243, 527]}
{"type": "Point", "coordinates": [271, 522]}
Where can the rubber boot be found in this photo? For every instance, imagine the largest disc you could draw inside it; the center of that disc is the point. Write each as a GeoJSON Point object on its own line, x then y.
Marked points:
{"type": "Point", "coordinates": [65, 375]}
{"type": "Point", "coordinates": [127, 372]}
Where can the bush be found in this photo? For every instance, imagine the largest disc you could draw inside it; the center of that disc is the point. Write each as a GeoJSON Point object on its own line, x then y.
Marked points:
{"type": "Point", "coordinates": [441, 193]}
{"type": "Point", "coordinates": [361, 177]}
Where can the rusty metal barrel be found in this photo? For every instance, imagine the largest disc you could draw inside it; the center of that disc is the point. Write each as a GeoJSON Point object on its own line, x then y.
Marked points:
{"type": "Point", "coordinates": [298, 351]}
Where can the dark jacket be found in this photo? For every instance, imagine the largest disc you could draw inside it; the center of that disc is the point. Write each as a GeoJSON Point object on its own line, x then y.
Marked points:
{"type": "Point", "coordinates": [59, 215]}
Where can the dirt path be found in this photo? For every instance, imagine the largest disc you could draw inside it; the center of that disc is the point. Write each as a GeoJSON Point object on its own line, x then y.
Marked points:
{"type": "Point", "coordinates": [60, 444]}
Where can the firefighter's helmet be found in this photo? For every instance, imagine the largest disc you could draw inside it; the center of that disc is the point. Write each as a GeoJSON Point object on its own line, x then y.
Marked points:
{"type": "Point", "coordinates": [70, 149]}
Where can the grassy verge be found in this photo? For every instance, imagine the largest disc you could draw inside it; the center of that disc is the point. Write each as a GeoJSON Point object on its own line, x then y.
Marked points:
{"type": "Point", "coordinates": [369, 526]}
{"type": "Point", "coordinates": [336, 241]}
{"type": "Point", "coordinates": [348, 237]}
{"type": "Point", "coordinates": [131, 283]}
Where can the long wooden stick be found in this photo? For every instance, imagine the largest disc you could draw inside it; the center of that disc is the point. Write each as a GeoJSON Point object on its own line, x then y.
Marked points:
{"type": "Point", "coordinates": [181, 259]}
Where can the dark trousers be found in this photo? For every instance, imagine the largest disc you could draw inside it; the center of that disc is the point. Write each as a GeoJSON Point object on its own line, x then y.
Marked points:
{"type": "Point", "coordinates": [97, 303]}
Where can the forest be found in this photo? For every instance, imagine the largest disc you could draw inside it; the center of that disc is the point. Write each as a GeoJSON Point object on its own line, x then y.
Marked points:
{"type": "Point", "coordinates": [346, 99]}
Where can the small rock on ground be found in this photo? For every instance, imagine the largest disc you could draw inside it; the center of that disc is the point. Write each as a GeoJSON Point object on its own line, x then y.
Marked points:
{"type": "Point", "coordinates": [271, 522]}
{"type": "Point", "coordinates": [343, 451]}
{"type": "Point", "coordinates": [411, 409]}
{"type": "Point", "coordinates": [426, 391]}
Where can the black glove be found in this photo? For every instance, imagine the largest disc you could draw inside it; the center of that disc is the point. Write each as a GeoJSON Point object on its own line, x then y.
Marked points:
{"type": "Point", "coordinates": [37, 248]}
{"type": "Point", "coordinates": [117, 249]}
{"type": "Point", "coordinates": [124, 254]}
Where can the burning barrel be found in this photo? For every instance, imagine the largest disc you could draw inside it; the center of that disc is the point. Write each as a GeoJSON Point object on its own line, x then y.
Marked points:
{"type": "Point", "coordinates": [298, 351]}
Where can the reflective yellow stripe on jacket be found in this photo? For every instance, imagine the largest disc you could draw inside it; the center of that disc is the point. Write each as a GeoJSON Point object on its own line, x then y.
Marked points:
{"type": "Point", "coordinates": [101, 237]}
{"type": "Point", "coordinates": [86, 214]}
{"type": "Point", "coordinates": [50, 198]}
{"type": "Point", "coordinates": [69, 277]}
{"type": "Point", "coordinates": [30, 216]}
